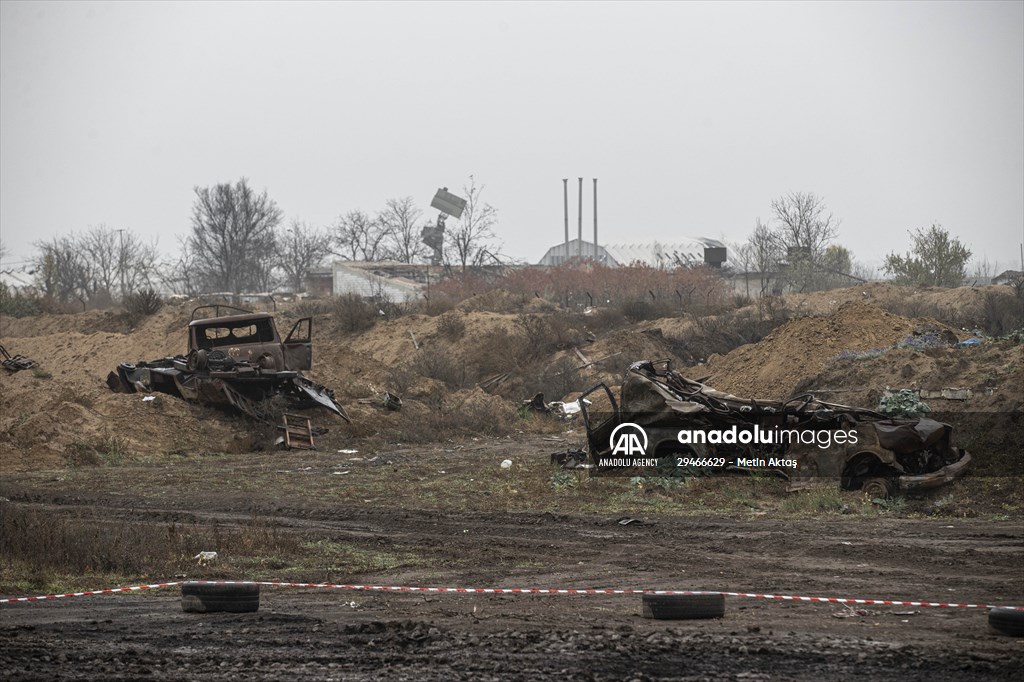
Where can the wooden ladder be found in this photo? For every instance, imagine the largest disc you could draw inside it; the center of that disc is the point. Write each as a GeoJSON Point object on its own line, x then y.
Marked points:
{"type": "Point", "coordinates": [298, 432]}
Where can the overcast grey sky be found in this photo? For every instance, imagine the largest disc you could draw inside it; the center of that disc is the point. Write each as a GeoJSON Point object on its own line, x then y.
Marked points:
{"type": "Point", "coordinates": [692, 116]}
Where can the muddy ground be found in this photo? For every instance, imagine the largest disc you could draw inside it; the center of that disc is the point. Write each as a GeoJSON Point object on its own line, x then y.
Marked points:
{"type": "Point", "coordinates": [101, 489]}
{"type": "Point", "coordinates": [329, 634]}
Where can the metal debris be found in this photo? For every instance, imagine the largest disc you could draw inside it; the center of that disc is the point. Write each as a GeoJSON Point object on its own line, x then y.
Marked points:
{"type": "Point", "coordinates": [234, 360]}
{"type": "Point", "coordinates": [16, 363]}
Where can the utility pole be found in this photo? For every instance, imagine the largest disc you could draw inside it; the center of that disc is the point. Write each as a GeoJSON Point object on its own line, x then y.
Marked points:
{"type": "Point", "coordinates": [120, 260]}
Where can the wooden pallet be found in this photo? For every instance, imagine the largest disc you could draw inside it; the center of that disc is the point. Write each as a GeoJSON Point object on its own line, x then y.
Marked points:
{"type": "Point", "coordinates": [298, 432]}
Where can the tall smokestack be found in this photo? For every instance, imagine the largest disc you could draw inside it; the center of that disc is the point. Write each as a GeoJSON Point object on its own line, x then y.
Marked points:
{"type": "Point", "coordinates": [579, 245]}
{"type": "Point", "coordinates": [595, 220]}
{"type": "Point", "coordinates": [565, 196]}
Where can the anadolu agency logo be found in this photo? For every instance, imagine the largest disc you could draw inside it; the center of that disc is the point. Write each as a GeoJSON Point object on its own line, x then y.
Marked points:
{"type": "Point", "coordinates": [628, 439]}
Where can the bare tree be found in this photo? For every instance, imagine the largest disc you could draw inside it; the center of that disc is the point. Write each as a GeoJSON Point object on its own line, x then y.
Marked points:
{"type": "Point", "coordinates": [233, 239]}
{"type": "Point", "coordinates": [469, 243]}
{"type": "Point", "coordinates": [179, 275]}
{"type": "Point", "coordinates": [803, 223]}
{"type": "Point", "coordinates": [62, 271]}
{"type": "Point", "coordinates": [400, 218]}
{"type": "Point", "coordinates": [360, 237]}
{"type": "Point", "coordinates": [764, 253]}
{"type": "Point", "coordinates": [301, 249]}
{"type": "Point", "coordinates": [100, 247]}
{"type": "Point", "coordinates": [117, 260]}
{"type": "Point", "coordinates": [803, 229]}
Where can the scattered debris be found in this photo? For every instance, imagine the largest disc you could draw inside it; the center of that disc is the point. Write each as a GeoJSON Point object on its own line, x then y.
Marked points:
{"type": "Point", "coordinates": [558, 408]}
{"type": "Point", "coordinates": [588, 363]}
{"type": "Point", "coordinates": [388, 401]}
{"type": "Point", "coordinates": [505, 464]}
{"type": "Point", "coordinates": [16, 363]}
{"type": "Point", "coordinates": [946, 394]}
{"type": "Point", "coordinates": [205, 557]}
{"type": "Point", "coordinates": [570, 459]}
{"type": "Point", "coordinates": [494, 381]}
{"type": "Point", "coordinates": [536, 404]}
{"type": "Point", "coordinates": [625, 521]}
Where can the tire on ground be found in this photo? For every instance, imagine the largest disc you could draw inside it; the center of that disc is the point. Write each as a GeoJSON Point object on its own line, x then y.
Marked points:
{"type": "Point", "coordinates": [683, 606]}
{"type": "Point", "coordinates": [879, 487]}
{"type": "Point", "coordinates": [205, 598]}
{"type": "Point", "coordinates": [1007, 621]}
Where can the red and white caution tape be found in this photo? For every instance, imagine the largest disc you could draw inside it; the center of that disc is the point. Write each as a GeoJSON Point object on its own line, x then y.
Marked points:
{"type": "Point", "coordinates": [112, 590]}
{"type": "Point", "coordinates": [512, 590]}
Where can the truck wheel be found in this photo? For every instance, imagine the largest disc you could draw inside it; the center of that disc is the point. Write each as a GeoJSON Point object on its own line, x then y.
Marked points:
{"type": "Point", "coordinates": [197, 361]}
{"type": "Point", "coordinates": [204, 598]}
{"type": "Point", "coordinates": [1007, 621]}
{"type": "Point", "coordinates": [683, 606]}
{"type": "Point", "coordinates": [878, 488]}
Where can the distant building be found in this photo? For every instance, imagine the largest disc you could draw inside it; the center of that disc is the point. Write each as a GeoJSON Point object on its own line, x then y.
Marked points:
{"type": "Point", "coordinates": [687, 252]}
{"type": "Point", "coordinates": [319, 282]}
{"type": "Point", "coordinates": [1008, 277]}
{"type": "Point", "coordinates": [17, 281]}
{"type": "Point", "coordinates": [351, 277]}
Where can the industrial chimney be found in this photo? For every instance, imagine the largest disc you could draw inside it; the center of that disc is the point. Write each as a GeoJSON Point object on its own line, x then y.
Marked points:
{"type": "Point", "coordinates": [565, 196]}
{"type": "Point", "coordinates": [579, 244]}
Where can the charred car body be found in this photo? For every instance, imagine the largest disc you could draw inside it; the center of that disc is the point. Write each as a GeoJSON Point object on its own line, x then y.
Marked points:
{"type": "Point", "coordinates": [877, 454]}
{"type": "Point", "coordinates": [234, 360]}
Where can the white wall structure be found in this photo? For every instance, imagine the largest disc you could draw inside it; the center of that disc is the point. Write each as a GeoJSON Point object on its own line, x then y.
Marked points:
{"type": "Point", "coordinates": [684, 252]}
{"type": "Point", "coordinates": [350, 279]}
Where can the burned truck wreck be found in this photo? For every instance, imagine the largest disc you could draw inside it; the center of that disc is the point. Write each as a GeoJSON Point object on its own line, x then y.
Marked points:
{"type": "Point", "coordinates": [236, 360]}
{"type": "Point", "coordinates": [809, 440]}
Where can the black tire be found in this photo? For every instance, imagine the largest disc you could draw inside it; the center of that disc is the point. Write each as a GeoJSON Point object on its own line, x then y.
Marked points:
{"type": "Point", "coordinates": [879, 488]}
{"type": "Point", "coordinates": [683, 606]}
{"type": "Point", "coordinates": [1007, 621]}
{"type": "Point", "coordinates": [204, 598]}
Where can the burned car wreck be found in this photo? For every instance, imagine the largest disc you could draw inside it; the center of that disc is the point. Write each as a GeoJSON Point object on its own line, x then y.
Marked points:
{"type": "Point", "coordinates": [236, 360]}
{"type": "Point", "coordinates": [808, 440]}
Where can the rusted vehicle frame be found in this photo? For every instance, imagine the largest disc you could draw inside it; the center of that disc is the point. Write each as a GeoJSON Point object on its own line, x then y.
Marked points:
{"type": "Point", "coordinates": [234, 360]}
{"type": "Point", "coordinates": [891, 454]}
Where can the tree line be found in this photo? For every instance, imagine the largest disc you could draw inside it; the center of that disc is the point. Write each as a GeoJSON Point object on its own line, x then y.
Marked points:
{"type": "Point", "coordinates": [239, 242]}
{"type": "Point", "coordinates": [795, 251]}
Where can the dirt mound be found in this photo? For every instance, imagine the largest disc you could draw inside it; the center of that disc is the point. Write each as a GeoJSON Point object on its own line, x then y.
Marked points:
{"type": "Point", "coordinates": [63, 413]}
{"type": "Point", "coordinates": [802, 348]}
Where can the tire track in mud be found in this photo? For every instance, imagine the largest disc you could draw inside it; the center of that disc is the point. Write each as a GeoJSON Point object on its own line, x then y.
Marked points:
{"type": "Point", "coordinates": [904, 559]}
{"type": "Point", "coordinates": [150, 638]}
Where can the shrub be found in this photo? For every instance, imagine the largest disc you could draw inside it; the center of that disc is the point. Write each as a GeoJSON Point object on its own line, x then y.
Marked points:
{"type": "Point", "coordinates": [1002, 314]}
{"type": "Point", "coordinates": [17, 305]}
{"type": "Point", "coordinates": [902, 403]}
{"type": "Point", "coordinates": [142, 303]}
{"type": "Point", "coordinates": [451, 326]}
{"type": "Point", "coordinates": [436, 363]}
{"type": "Point", "coordinates": [558, 379]}
{"type": "Point", "coordinates": [352, 313]}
